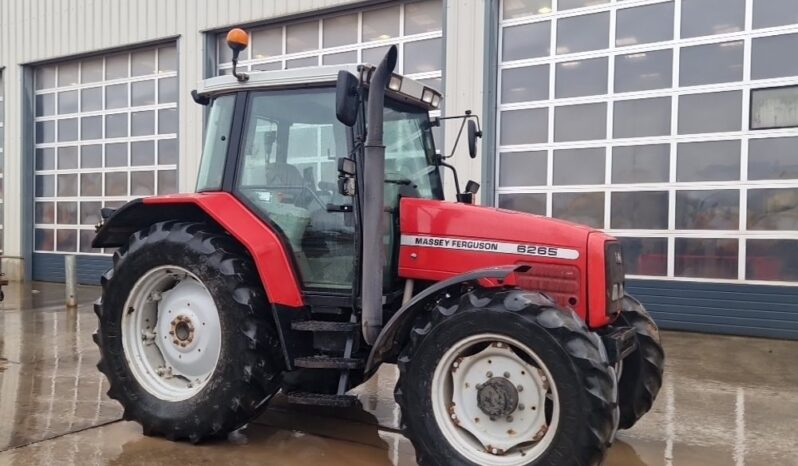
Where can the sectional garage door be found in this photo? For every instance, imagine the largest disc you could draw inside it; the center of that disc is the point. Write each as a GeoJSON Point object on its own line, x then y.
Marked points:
{"type": "Point", "coordinates": [105, 131]}
{"type": "Point", "coordinates": [672, 125]}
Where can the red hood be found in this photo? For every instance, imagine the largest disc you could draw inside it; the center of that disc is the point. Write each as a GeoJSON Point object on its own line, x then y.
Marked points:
{"type": "Point", "coordinates": [428, 217]}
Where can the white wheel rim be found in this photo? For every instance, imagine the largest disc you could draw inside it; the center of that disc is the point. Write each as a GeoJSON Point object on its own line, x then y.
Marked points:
{"type": "Point", "coordinates": [515, 439]}
{"type": "Point", "coordinates": [171, 333]}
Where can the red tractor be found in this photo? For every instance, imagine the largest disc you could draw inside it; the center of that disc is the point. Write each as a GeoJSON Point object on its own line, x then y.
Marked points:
{"type": "Point", "coordinates": [318, 246]}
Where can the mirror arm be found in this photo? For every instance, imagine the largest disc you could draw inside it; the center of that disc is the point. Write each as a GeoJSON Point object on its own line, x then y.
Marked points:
{"type": "Point", "coordinates": [454, 173]}
{"type": "Point", "coordinates": [464, 117]}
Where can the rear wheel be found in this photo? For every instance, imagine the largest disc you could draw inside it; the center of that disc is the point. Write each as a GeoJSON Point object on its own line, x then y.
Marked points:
{"type": "Point", "coordinates": [641, 377]}
{"type": "Point", "coordinates": [184, 333]}
{"type": "Point", "coordinates": [505, 379]}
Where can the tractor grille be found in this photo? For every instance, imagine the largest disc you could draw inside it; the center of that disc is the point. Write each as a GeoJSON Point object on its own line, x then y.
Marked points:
{"type": "Point", "coordinates": [615, 276]}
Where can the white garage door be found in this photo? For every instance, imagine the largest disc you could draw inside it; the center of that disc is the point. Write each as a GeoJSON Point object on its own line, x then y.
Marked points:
{"type": "Point", "coordinates": [105, 132]}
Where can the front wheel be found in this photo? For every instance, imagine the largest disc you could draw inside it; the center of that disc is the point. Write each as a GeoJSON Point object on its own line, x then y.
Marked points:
{"type": "Point", "coordinates": [505, 379]}
{"type": "Point", "coordinates": [185, 340]}
{"type": "Point", "coordinates": [641, 376]}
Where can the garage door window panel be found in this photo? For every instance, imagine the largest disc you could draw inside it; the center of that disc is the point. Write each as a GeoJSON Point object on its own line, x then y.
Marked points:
{"type": "Point", "coordinates": [584, 208]}
{"type": "Point", "coordinates": [706, 258]}
{"type": "Point", "coordinates": [710, 113]}
{"type": "Point", "coordinates": [773, 158]}
{"type": "Point", "coordinates": [580, 122]}
{"type": "Point", "coordinates": [709, 17]}
{"type": "Point", "coordinates": [642, 117]}
{"type": "Point", "coordinates": [773, 209]}
{"type": "Point", "coordinates": [772, 260]}
{"type": "Point", "coordinates": [583, 33]}
{"type": "Point", "coordinates": [523, 168]}
{"type": "Point", "coordinates": [645, 256]}
{"type": "Point", "coordinates": [711, 64]}
{"type": "Point", "coordinates": [641, 164]}
{"type": "Point", "coordinates": [644, 24]}
{"type": "Point", "coordinates": [644, 71]}
{"type": "Point", "coordinates": [581, 78]}
{"type": "Point", "coordinates": [708, 161]}
{"type": "Point", "coordinates": [526, 41]}
{"type": "Point", "coordinates": [531, 203]}
{"type": "Point", "coordinates": [579, 166]}
{"type": "Point", "coordinates": [708, 210]}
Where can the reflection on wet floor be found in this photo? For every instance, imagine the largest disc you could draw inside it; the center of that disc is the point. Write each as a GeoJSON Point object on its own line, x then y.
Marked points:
{"type": "Point", "coordinates": [725, 401]}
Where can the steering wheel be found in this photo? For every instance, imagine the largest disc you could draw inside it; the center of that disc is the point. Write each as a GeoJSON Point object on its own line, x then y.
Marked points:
{"type": "Point", "coordinates": [415, 176]}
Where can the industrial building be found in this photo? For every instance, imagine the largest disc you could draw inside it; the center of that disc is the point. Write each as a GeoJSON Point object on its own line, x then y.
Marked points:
{"type": "Point", "coordinates": [672, 124]}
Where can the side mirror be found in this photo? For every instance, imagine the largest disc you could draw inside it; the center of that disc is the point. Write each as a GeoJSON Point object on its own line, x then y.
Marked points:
{"type": "Point", "coordinates": [473, 134]}
{"type": "Point", "coordinates": [346, 101]}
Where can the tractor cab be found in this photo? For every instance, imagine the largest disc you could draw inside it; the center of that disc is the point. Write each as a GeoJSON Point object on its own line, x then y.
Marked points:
{"type": "Point", "coordinates": [276, 144]}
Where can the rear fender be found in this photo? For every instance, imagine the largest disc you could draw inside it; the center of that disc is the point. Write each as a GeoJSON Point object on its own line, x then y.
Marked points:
{"type": "Point", "coordinates": [272, 258]}
{"type": "Point", "coordinates": [396, 331]}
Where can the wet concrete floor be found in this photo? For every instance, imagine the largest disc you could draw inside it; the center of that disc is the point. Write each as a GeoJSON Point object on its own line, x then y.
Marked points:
{"type": "Point", "coordinates": [725, 401]}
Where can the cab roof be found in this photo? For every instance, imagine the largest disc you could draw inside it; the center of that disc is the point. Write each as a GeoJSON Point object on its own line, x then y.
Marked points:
{"type": "Point", "coordinates": [312, 76]}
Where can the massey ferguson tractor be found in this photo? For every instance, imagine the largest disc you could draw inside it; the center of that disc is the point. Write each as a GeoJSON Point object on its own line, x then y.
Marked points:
{"type": "Point", "coordinates": [318, 246]}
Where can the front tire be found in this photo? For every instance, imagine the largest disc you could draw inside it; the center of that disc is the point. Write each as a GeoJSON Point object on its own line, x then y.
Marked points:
{"type": "Point", "coordinates": [551, 399]}
{"type": "Point", "coordinates": [641, 377]}
{"type": "Point", "coordinates": [184, 334]}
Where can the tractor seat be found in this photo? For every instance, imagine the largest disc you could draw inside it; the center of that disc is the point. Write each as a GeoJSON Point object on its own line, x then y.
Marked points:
{"type": "Point", "coordinates": [284, 175]}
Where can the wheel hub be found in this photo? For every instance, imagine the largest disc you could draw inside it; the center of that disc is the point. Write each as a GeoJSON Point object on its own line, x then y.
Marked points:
{"type": "Point", "coordinates": [182, 330]}
{"type": "Point", "coordinates": [497, 397]}
{"type": "Point", "coordinates": [495, 401]}
{"type": "Point", "coordinates": [171, 333]}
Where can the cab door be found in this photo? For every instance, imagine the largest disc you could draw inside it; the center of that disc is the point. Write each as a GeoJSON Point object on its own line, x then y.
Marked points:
{"type": "Point", "coordinates": [287, 174]}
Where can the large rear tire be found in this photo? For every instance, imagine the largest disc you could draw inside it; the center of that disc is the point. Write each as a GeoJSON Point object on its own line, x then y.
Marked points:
{"type": "Point", "coordinates": [504, 378]}
{"type": "Point", "coordinates": [641, 377]}
{"type": "Point", "coordinates": [184, 333]}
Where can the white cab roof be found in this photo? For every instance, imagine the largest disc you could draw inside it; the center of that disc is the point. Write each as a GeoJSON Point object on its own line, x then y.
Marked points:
{"type": "Point", "coordinates": [313, 75]}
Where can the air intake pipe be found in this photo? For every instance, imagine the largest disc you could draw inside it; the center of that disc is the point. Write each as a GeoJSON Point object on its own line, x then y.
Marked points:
{"type": "Point", "coordinates": [373, 253]}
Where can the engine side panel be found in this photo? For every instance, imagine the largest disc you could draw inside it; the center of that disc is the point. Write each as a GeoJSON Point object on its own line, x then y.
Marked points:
{"type": "Point", "coordinates": [442, 239]}
{"type": "Point", "coordinates": [272, 258]}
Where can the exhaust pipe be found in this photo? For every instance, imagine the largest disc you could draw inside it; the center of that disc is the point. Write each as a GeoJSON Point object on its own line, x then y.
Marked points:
{"type": "Point", "coordinates": [373, 201]}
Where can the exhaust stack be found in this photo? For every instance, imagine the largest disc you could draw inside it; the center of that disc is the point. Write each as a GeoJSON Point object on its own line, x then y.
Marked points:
{"type": "Point", "coordinates": [374, 200]}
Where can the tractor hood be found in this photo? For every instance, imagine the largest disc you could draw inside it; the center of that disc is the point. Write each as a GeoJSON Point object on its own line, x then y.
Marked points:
{"type": "Point", "coordinates": [440, 239]}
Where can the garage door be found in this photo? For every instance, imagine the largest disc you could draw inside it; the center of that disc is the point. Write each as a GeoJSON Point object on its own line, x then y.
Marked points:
{"type": "Point", "coordinates": [671, 125]}
{"type": "Point", "coordinates": [105, 132]}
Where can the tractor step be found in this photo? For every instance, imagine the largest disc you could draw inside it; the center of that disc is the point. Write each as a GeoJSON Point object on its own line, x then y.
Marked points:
{"type": "Point", "coordinates": [326, 362]}
{"type": "Point", "coordinates": [330, 311]}
{"type": "Point", "coordinates": [319, 399]}
{"type": "Point", "coordinates": [323, 326]}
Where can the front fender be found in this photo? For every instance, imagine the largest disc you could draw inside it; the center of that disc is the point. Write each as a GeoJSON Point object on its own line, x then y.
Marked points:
{"type": "Point", "coordinates": [395, 332]}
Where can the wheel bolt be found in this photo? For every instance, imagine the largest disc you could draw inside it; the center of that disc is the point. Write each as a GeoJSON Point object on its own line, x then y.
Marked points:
{"type": "Point", "coordinates": [509, 419]}
{"type": "Point", "coordinates": [520, 388]}
{"type": "Point", "coordinates": [489, 374]}
{"type": "Point", "coordinates": [506, 375]}
{"type": "Point", "coordinates": [521, 407]}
